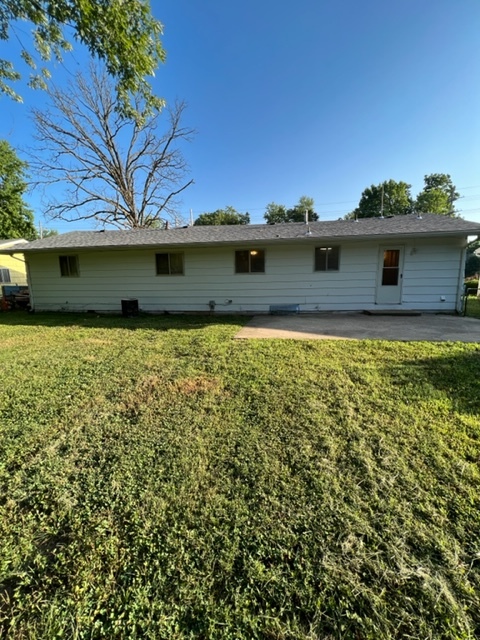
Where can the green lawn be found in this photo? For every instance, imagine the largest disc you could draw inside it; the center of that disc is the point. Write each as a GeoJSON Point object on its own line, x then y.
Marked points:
{"type": "Point", "coordinates": [161, 480]}
{"type": "Point", "coordinates": [473, 307]}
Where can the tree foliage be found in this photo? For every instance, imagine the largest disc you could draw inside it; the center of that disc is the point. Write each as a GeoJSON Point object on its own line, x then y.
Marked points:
{"type": "Point", "coordinates": [47, 233]}
{"type": "Point", "coordinates": [395, 196]}
{"type": "Point", "coordinates": [438, 195]}
{"type": "Point", "coordinates": [229, 215]}
{"type": "Point", "coordinates": [121, 33]}
{"type": "Point", "coordinates": [278, 213]}
{"type": "Point", "coordinates": [16, 219]}
{"type": "Point", "coordinates": [472, 261]}
{"type": "Point", "coordinates": [116, 170]}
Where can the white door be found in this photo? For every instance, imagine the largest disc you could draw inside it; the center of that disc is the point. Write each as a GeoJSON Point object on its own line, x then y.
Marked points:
{"type": "Point", "coordinates": [390, 275]}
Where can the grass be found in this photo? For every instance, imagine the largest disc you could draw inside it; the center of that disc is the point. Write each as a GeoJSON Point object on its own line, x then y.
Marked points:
{"type": "Point", "coordinates": [161, 480]}
{"type": "Point", "coordinates": [473, 307]}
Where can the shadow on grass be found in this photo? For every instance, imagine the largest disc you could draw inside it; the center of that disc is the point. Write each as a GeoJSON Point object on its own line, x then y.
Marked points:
{"type": "Point", "coordinates": [162, 322]}
{"type": "Point", "coordinates": [456, 376]}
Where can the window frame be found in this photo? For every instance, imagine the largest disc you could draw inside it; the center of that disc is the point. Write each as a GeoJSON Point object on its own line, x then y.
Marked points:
{"type": "Point", "coordinates": [326, 248]}
{"type": "Point", "coordinates": [68, 260]}
{"type": "Point", "coordinates": [168, 254]}
{"type": "Point", "coordinates": [250, 252]}
{"type": "Point", "coordinates": [389, 270]}
{"type": "Point", "coordinates": [6, 270]}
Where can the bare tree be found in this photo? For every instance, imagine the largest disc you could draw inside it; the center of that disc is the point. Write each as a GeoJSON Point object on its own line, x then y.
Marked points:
{"type": "Point", "coordinates": [116, 170]}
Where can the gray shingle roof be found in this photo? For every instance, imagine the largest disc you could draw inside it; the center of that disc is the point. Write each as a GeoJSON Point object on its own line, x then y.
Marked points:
{"type": "Point", "coordinates": [10, 241]}
{"type": "Point", "coordinates": [400, 226]}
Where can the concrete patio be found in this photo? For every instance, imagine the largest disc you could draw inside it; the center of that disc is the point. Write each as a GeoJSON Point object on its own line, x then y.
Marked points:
{"type": "Point", "coordinates": [358, 326]}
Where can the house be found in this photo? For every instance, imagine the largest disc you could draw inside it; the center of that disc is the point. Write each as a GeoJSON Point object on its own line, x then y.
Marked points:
{"type": "Point", "coordinates": [404, 262]}
{"type": "Point", "coordinates": [12, 267]}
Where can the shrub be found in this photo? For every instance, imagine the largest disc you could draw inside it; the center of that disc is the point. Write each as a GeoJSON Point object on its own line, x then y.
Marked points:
{"type": "Point", "coordinates": [471, 284]}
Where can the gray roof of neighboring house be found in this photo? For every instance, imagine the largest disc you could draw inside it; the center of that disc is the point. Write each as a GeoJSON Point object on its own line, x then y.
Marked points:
{"type": "Point", "coordinates": [429, 225]}
{"type": "Point", "coordinates": [11, 241]}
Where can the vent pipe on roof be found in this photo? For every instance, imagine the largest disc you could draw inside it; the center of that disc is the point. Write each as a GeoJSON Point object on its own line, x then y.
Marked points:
{"type": "Point", "coordinates": [167, 225]}
{"type": "Point", "coordinates": [309, 232]}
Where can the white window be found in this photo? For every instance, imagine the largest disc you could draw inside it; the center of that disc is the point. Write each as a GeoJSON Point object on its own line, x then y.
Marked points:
{"type": "Point", "coordinates": [5, 275]}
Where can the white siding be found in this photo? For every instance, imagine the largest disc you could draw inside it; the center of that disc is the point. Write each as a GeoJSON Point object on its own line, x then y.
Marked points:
{"type": "Point", "coordinates": [431, 270]}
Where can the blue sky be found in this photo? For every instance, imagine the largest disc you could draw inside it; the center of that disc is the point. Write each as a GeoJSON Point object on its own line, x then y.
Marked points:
{"type": "Point", "coordinates": [312, 98]}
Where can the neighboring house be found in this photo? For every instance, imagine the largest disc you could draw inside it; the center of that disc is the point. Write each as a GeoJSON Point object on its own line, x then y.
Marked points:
{"type": "Point", "coordinates": [404, 262]}
{"type": "Point", "coordinates": [12, 267]}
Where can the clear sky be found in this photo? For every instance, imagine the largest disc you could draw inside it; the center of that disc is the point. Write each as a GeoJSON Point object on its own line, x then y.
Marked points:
{"type": "Point", "coordinates": [312, 98]}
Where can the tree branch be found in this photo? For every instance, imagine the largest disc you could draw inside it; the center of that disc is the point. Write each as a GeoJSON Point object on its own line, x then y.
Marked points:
{"type": "Point", "coordinates": [105, 158]}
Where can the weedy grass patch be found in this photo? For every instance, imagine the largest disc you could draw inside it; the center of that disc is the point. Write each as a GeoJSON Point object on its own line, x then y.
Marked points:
{"type": "Point", "coordinates": [160, 480]}
{"type": "Point", "coordinates": [473, 307]}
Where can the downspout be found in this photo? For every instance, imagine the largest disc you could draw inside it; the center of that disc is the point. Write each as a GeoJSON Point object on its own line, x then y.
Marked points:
{"type": "Point", "coordinates": [29, 282]}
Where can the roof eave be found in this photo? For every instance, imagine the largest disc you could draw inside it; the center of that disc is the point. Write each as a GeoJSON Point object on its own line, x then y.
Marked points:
{"type": "Point", "coordinates": [305, 238]}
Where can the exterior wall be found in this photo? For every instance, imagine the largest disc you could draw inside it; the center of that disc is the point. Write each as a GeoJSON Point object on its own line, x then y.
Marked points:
{"type": "Point", "coordinates": [16, 265]}
{"type": "Point", "coordinates": [431, 272]}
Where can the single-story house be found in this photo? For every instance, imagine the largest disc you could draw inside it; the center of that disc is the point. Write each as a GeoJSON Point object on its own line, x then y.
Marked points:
{"type": "Point", "coordinates": [12, 267]}
{"type": "Point", "coordinates": [405, 262]}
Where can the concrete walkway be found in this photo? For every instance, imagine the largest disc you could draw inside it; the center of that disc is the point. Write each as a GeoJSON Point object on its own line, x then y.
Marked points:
{"type": "Point", "coordinates": [355, 326]}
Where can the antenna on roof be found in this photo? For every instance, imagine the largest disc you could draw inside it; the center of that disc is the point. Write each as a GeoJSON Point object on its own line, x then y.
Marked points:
{"type": "Point", "coordinates": [381, 207]}
{"type": "Point", "coordinates": [191, 217]}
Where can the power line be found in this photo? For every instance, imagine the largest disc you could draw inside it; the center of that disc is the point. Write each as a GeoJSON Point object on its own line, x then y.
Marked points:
{"type": "Point", "coordinates": [334, 212]}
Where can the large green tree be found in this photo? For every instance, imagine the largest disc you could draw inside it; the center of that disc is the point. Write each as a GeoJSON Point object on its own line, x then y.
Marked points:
{"type": "Point", "coordinates": [472, 261]}
{"type": "Point", "coordinates": [121, 33]}
{"type": "Point", "coordinates": [278, 213]}
{"type": "Point", "coordinates": [16, 219]}
{"type": "Point", "coordinates": [229, 215]}
{"type": "Point", "coordinates": [438, 195]}
{"type": "Point", "coordinates": [389, 198]}
{"type": "Point", "coordinates": [392, 198]}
